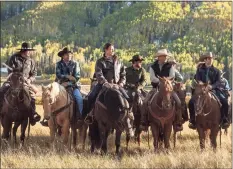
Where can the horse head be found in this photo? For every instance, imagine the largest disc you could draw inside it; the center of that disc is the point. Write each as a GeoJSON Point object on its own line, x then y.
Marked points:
{"type": "Point", "coordinates": [16, 81]}
{"type": "Point", "coordinates": [119, 108]}
{"type": "Point", "coordinates": [50, 94]}
{"type": "Point", "coordinates": [201, 94]}
{"type": "Point", "coordinates": [166, 89]}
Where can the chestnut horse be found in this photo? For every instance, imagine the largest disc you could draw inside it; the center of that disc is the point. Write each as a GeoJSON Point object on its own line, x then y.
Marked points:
{"type": "Point", "coordinates": [207, 110]}
{"type": "Point", "coordinates": [162, 113]}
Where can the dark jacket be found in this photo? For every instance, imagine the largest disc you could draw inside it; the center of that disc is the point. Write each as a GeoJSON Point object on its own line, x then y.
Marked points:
{"type": "Point", "coordinates": [210, 74]}
{"type": "Point", "coordinates": [112, 71]}
{"type": "Point", "coordinates": [164, 71]}
{"type": "Point", "coordinates": [136, 77]}
{"type": "Point", "coordinates": [25, 65]}
{"type": "Point", "coordinates": [63, 69]}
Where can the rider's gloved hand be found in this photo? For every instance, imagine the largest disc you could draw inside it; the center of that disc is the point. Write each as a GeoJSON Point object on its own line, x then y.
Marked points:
{"type": "Point", "coordinates": [71, 78]}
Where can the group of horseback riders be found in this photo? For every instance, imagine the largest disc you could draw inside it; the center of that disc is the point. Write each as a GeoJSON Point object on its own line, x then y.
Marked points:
{"type": "Point", "coordinates": [110, 70]}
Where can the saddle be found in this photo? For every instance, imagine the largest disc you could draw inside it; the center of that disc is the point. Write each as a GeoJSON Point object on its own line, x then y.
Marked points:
{"type": "Point", "coordinates": [215, 97]}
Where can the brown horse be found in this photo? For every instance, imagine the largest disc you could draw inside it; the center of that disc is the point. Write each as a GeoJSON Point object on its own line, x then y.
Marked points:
{"type": "Point", "coordinates": [207, 110]}
{"type": "Point", "coordinates": [16, 107]}
{"type": "Point", "coordinates": [162, 113]}
{"type": "Point", "coordinates": [58, 107]}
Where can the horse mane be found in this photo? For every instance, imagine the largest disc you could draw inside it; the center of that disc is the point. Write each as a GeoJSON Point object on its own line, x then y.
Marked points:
{"type": "Point", "coordinates": [56, 90]}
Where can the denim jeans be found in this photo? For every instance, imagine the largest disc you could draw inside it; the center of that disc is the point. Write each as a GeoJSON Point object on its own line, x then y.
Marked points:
{"type": "Point", "coordinates": [79, 100]}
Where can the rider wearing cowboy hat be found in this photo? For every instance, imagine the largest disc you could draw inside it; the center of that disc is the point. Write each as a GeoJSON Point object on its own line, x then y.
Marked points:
{"type": "Point", "coordinates": [161, 68]}
{"type": "Point", "coordinates": [178, 76]}
{"type": "Point", "coordinates": [68, 75]}
{"type": "Point", "coordinates": [22, 62]}
{"type": "Point", "coordinates": [135, 75]}
{"type": "Point", "coordinates": [207, 73]}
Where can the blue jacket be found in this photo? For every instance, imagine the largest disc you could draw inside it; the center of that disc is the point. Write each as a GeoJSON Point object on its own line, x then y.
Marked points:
{"type": "Point", "coordinates": [63, 69]}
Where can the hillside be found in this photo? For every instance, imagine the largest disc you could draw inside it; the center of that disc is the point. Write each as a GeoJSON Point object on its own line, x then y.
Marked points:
{"type": "Point", "coordinates": [185, 28]}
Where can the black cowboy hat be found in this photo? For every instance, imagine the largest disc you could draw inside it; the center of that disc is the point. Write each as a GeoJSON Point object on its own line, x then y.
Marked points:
{"type": "Point", "coordinates": [136, 58]}
{"type": "Point", "coordinates": [26, 47]}
{"type": "Point", "coordinates": [64, 51]}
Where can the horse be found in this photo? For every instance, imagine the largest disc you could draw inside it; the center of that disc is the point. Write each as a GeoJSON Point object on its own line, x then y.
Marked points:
{"type": "Point", "coordinates": [161, 114]}
{"type": "Point", "coordinates": [58, 105]}
{"type": "Point", "coordinates": [207, 110]}
{"type": "Point", "coordinates": [111, 111]}
{"type": "Point", "coordinates": [16, 107]}
{"type": "Point", "coordinates": [180, 90]}
{"type": "Point", "coordinates": [137, 103]}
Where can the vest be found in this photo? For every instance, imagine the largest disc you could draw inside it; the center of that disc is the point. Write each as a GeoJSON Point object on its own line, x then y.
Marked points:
{"type": "Point", "coordinates": [164, 72]}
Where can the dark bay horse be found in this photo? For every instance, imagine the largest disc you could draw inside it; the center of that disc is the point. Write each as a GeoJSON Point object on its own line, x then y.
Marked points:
{"type": "Point", "coordinates": [16, 107]}
{"type": "Point", "coordinates": [180, 90]}
{"type": "Point", "coordinates": [207, 110]}
{"type": "Point", "coordinates": [137, 103]}
{"type": "Point", "coordinates": [111, 111]}
{"type": "Point", "coordinates": [161, 115]}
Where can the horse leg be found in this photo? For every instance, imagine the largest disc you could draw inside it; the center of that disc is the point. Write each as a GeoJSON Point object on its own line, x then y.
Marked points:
{"type": "Point", "coordinates": [201, 133]}
{"type": "Point", "coordinates": [16, 125]}
{"type": "Point", "coordinates": [84, 133]}
{"type": "Point", "coordinates": [65, 132]}
{"type": "Point", "coordinates": [127, 140]}
{"type": "Point", "coordinates": [118, 141]}
{"type": "Point", "coordinates": [213, 137]}
{"type": "Point", "coordinates": [155, 133]}
{"type": "Point", "coordinates": [74, 137]}
{"type": "Point", "coordinates": [167, 134]}
{"type": "Point", "coordinates": [23, 130]}
{"type": "Point", "coordinates": [7, 124]}
{"type": "Point", "coordinates": [52, 131]}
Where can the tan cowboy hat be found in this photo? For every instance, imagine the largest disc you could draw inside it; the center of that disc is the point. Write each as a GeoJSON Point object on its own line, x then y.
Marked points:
{"type": "Point", "coordinates": [162, 52]}
{"type": "Point", "coordinates": [172, 60]}
{"type": "Point", "coordinates": [206, 55]}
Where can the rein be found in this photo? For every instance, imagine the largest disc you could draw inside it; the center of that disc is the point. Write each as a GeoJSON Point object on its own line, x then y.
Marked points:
{"type": "Point", "coordinates": [202, 108]}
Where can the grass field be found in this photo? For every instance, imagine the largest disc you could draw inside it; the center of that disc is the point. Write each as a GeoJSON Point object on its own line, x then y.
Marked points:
{"type": "Point", "coordinates": [187, 154]}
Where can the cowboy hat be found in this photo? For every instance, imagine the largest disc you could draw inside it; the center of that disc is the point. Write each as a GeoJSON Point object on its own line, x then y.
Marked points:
{"type": "Point", "coordinates": [136, 58]}
{"type": "Point", "coordinates": [206, 55]}
{"type": "Point", "coordinates": [172, 60]}
{"type": "Point", "coordinates": [64, 51]}
{"type": "Point", "coordinates": [162, 52]}
{"type": "Point", "coordinates": [26, 47]}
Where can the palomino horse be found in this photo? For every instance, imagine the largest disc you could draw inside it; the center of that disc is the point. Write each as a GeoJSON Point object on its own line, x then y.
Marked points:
{"type": "Point", "coordinates": [207, 110]}
{"type": "Point", "coordinates": [137, 103]}
{"type": "Point", "coordinates": [16, 107]}
{"type": "Point", "coordinates": [180, 90]}
{"type": "Point", "coordinates": [111, 111]}
{"type": "Point", "coordinates": [162, 113]}
{"type": "Point", "coordinates": [59, 108]}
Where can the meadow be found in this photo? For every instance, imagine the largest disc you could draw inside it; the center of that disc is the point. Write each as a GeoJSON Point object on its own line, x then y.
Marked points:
{"type": "Point", "coordinates": [186, 154]}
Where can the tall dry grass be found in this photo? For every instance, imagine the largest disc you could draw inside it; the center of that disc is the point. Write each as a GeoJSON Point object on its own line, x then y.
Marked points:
{"type": "Point", "coordinates": [187, 154]}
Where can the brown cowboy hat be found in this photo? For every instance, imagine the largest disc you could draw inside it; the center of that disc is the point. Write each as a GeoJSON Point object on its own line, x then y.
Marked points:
{"type": "Point", "coordinates": [64, 51]}
{"type": "Point", "coordinates": [26, 47]}
{"type": "Point", "coordinates": [162, 52]}
{"type": "Point", "coordinates": [206, 55]}
{"type": "Point", "coordinates": [136, 58]}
